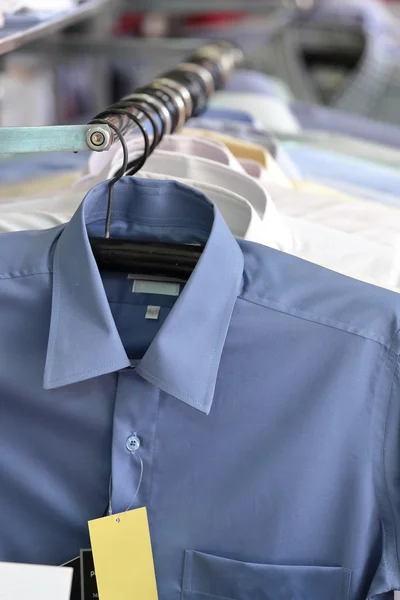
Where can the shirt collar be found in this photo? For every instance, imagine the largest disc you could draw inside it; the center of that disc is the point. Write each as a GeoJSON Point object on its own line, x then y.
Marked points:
{"type": "Point", "coordinates": [238, 213]}
{"type": "Point", "coordinates": [196, 147]}
{"type": "Point", "coordinates": [275, 232]}
{"type": "Point", "coordinates": [183, 359]}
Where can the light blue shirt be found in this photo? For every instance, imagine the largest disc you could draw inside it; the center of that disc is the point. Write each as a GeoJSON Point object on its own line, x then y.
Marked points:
{"type": "Point", "coordinates": [229, 114]}
{"type": "Point", "coordinates": [263, 406]}
{"type": "Point", "coordinates": [18, 168]}
{"type": "Point", "coordinates": [322, 118]}
{"type": "Point", "coordinates": [338, 170]}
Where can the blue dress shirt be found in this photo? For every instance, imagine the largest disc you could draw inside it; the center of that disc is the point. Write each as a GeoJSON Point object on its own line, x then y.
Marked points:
{"type": "Point", "coordinates": [245, 80]}
{"type": "Point", "coordinates": [338, 170]}
{"type": "Point", "coordinates": [263, 407]}
{"type": "Point", "coordinates": [229, 114]}
{"type": "Point", "coordinates": [322, 118]}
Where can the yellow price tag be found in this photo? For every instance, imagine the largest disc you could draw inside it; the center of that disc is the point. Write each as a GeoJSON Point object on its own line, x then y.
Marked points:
{"type": "Point", "coordinates": [123, 558]}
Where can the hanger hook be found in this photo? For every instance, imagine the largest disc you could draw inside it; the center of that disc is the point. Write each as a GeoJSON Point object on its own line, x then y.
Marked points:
{"type": "Point", "coordinates": [119, 173]}
{"type": "Point", "coordinates": [138, 105]}
{"type": "Point", "coordinates": [138, 164]}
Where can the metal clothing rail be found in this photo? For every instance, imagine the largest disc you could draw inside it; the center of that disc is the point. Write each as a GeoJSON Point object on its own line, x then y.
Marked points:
{"type": "Point", "coordinates": [222, 57]}
{"type": "Point", "coordinates": [99, 137]}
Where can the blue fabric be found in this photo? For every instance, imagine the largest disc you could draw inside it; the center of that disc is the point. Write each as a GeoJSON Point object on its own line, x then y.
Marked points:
{"type": "Point", "coordinates": [328, 119]}
{"type": "Point", "coordinates": [23, 167]}
{"type": "Point", "coordinates": [230, 114]}
{"type": "Point", "coordinates": [323, 165]}
{"type": "Point", "coordinates": [242, 131]}
{"type": "Point", "coordinates": [243, 80]}
{"type": "Point", "coordinates": [266, 408]}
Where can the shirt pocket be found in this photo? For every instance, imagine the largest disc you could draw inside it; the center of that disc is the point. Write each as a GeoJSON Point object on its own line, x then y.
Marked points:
{"type": "Point", "coordinates": [207, 577]}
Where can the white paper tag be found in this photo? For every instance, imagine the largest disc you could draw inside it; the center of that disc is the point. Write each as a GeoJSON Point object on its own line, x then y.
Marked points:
{"type": "Point", "coordinates": [35, 582]}
{"type": "Point", "coordinates": [153, 312]}
{"type": "Point", "coordinates": [397, 596]}
{"type": "Point", "coordinates": [162, 288]}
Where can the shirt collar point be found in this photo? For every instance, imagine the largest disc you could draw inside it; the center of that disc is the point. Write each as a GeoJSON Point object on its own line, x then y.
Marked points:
{"type": "Point", "coordinates": [53, 380]}
{"type": "Point", "coordinates": [195, 398]}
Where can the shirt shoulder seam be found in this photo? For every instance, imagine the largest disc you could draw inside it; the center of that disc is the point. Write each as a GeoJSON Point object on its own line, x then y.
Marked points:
{"type": "Point", "coordinates": [300, 313]}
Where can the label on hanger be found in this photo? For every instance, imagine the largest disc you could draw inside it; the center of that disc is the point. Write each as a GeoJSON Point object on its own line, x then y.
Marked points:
{"type": "Point", "coordinates": [161, 288]}
{"type": "Point", "coordinates": [88, 576]}
{"type": "Point", "coordinates": [123, 556]}
{"type": "Point", "coordinates": [153, 312]}
{"type": "Point", "coordinates": [397, 596]}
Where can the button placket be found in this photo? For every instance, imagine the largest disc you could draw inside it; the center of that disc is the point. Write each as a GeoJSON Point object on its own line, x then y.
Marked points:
{"type": "Point", "coordinates": [135, 417]}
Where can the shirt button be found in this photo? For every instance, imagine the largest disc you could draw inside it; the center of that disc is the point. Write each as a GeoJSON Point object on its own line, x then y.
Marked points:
{"type": "Point", "coordinates": [132, 443]}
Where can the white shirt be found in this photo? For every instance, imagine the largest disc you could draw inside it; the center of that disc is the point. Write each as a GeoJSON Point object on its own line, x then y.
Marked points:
{"type": "Point", "coordinates": [338, 251]}
{"type": "Point", "coordinates": [240, 216]}
{"type": "Point", "coordinates": [250, 213]}
{"type": "Point", "coordinates": [100, 164]}
{"type": "Point", "coordinates": [372, 221]}
{"type": "Point", "coordinates": [178, 166]}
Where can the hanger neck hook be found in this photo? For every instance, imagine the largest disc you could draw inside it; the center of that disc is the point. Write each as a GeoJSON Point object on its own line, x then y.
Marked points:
{"type": "Point", "coordinates": [119, 173]}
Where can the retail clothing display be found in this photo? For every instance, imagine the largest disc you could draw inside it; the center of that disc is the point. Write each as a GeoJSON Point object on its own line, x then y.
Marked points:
{"type": "Point", "coordinates": [261, 311]}
{"type": "Point", "coordinates": [239, 116]}
{"type": "Point", "coordinates": [272, 113]}
{"type": "Point", "coordinates": [203, 321]}
{"type": "Point", "coordinates": [321, 118]}
{"type": "Point", "coordinates": [255, 82]}
{"type": "Point", "coordinates": [244, 202]}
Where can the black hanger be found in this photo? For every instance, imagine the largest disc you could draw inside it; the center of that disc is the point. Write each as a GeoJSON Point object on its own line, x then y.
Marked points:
{"type": "Point", "coordinates": [127, 104]}
{"type": "Point", "coordinates": [139, 162]}
{"type": "Point", "coordinates": [157, 134]}
{"type": "Point", "coordinates": [162, 260]}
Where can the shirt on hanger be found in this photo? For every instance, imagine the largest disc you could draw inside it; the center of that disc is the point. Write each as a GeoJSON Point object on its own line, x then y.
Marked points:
{"type": "Point", "coordinates": [231, 114]}
{"type": "Point", "coordinates": [240, 131]}
{"type": "Point", "coordinates": [48, 185]}
{"type": "Point", "coordinates": [245, 150]}
{"type": "Point", "coordinates": [324, 165]}
{"type": "Point", "coordinates": [231, 381]}
{"type": "Point", "coordinates": [272, 113]}
{"type": "Point", "coordinates": [248, 135]}
{"type": "Point", "coordinates": [322, 118]}
{"type": "Point", "coordinates": [231, 191]}
{"type": "Point", "coordinates": [99, 164]}
{"type": "Point", "coordinates": [239, 148]}
{"type": "Point", "coordinates": [341, 252]}
{"type": "Point", "coordinates": [197, 142]}
{"type": "Point", "coordinates": [20, 168]}
{"type": "Point", "coordinates": [240, 215]}
{"type": "Point", "coordinates": [372, 221]}
{"type": "Point", "coordinates": [345, 145]}
{"type": "Point", "coordinates": [245, 80]}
